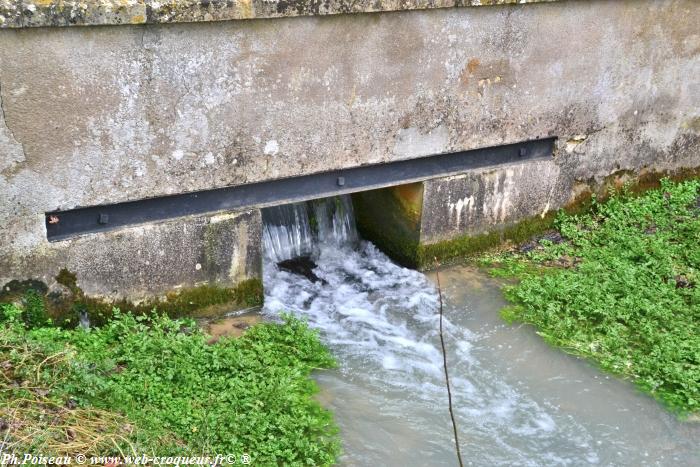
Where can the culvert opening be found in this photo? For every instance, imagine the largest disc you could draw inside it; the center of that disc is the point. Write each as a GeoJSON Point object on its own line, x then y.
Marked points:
{"type": "Point", "coordinates": [61, 225]}
{"type": "Point", "coordinates": [294, 235]}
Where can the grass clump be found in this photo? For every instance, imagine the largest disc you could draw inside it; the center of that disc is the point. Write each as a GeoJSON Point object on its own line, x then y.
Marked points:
{"type": "Point", "coordinates": [152, 385]}
{"type": "Point", "coordinates": [622, 289]}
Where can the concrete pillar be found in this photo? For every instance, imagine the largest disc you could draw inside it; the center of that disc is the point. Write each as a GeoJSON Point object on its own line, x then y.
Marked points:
{"type": "Point", "coordinates": [191, 266]}
{"type": "Point", "coordinates": [459, 215]}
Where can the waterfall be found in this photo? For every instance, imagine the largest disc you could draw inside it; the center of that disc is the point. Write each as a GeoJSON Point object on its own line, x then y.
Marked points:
{"type": "Point", "coordinates": [287, 231]}
{"type": "Point", "coordinates": [296, 230]}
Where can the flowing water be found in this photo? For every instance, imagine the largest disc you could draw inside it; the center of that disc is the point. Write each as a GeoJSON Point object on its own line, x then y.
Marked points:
{"type": "Point", "coordinates": [517, 400]}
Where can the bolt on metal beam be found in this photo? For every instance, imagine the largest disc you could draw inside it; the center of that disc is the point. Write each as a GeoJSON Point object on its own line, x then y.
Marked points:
{"type": "Point", "coordinates": [61, 225]}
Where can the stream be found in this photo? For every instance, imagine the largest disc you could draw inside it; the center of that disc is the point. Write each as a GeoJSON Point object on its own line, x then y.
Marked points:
{"type": "Point", "coordinates": [517, 401]}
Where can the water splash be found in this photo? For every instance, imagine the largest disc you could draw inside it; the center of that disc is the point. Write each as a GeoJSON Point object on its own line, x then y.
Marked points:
{"type": "Point", "coordinates": [380, 321]}
{"type": "Point", "coordinates": [335, 221]}
{"type": "Point", "coordinates": [299, 229]}
{"type": "Point", "coordinates": [287, 232]}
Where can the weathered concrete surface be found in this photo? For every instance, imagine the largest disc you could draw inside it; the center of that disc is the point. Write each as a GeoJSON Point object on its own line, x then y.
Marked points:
{"type": "Point", "coordinates": [147, 261]}
{"type": "Point", "coordinates": [477, 202]}
{"type": "Point", "coordinates": [96, 115]}
{"type": "Point", "coordinates": [38, 13]}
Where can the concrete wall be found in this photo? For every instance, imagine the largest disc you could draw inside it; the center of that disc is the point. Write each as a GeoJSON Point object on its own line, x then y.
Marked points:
{"type": "Point", "coordinates": [478, 202]}
{"type": "Point", "coordinates": [97, 115]}
{"type": "Point", "coordinates": [146, 261]}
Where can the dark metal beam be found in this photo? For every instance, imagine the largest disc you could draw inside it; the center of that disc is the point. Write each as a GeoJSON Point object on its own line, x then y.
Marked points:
{"type": "Point", "coordinates": [65, 224]}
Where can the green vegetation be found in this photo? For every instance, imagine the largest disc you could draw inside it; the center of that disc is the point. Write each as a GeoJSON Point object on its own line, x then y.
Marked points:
{"type": "Point", "coordinates": [469, 245]}
{"type": "Point", "coordinates": [152, 385]}
{"type": "Point", "coordinates": [620, 286]}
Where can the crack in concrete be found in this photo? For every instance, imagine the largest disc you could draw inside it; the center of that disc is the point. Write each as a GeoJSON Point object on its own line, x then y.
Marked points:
{"type": "Point", "coordinates": [13, 169]}
{"type": "Point", "coordinates": [4, 118]}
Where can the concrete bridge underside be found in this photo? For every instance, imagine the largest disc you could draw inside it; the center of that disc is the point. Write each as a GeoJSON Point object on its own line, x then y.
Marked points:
{"type": "Point", "coordinates": [97, 115]}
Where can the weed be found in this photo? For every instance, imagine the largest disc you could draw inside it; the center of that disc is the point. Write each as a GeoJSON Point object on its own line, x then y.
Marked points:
{"type": "Point", "coordinates": [151, 384]}
{"type": "Point", "coordinates": [622, 289]}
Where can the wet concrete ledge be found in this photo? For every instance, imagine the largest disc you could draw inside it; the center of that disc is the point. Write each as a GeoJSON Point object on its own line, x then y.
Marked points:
{"type": "Point", "coordinates": [59, 13]}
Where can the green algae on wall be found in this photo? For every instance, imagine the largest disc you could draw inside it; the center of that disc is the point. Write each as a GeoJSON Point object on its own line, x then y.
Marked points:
{"type": "Point", "coordinates": [65, 308]}
{"type": "Point", "coordinates": [467, 245]}
{"type": "Point", "coordinates": [390, 218]}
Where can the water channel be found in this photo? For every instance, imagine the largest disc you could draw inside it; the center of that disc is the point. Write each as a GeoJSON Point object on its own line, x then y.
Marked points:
{"type": "Point", "coordinates": [517, 400]}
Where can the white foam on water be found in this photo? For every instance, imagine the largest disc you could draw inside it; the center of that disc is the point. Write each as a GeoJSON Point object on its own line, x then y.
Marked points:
{"type": "Point", "coordinates": [381, 320]}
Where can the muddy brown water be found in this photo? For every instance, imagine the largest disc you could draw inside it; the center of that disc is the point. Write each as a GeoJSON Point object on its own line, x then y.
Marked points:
{"type": "Point", "coordinates": [517, 400]}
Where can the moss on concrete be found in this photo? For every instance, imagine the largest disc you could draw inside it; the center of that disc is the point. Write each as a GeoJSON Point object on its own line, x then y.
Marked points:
{"type": "Point", "coordinates": [428, 255]}
{"type": "Point", "coordinates": [15, 289]}
{"type": "Point", "coordinates": [641, 182]}
{"type": "Point", "coordinates": [203, 301]}
{"type": "Point", "coordinates": [390, 218]}
{"type": "Point", "coordinates": [465, 246]}
{"type": "Point", "coordinates": [68, 280]}
{"type": "Point", "coordinates": [198, 302]}
{"type": "Point", "coordinates": [53, 13]}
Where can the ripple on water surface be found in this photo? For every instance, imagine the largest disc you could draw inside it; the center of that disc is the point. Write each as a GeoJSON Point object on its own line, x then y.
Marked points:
{"type": "Point", "coordinates": [518, 401]}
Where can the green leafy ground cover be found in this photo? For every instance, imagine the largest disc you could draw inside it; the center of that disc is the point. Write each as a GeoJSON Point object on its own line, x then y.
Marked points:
{"type": "Point", "coordinates": [621, 286]}
{"type": "Point", "coordinates": [152, 385]}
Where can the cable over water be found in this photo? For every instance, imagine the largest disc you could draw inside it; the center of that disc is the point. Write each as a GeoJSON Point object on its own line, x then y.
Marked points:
{"type": "Point", "coordinates": [516, 400]}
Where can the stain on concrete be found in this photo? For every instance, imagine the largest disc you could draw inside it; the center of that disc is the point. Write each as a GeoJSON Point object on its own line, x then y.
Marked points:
{"type": "Point", "coordinates": [102, 115]}
{"type": "Point", "coordinates": [476, 202]}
